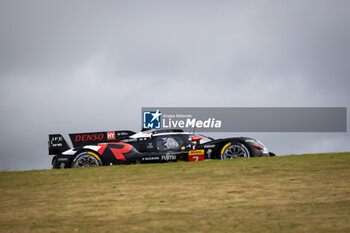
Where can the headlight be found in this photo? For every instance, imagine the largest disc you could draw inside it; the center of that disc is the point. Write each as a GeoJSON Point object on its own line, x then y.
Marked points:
{"type": "Point", "coordinates": [258, 145]}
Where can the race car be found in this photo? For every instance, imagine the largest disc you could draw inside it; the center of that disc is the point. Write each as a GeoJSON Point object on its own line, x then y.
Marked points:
{"type": "Point", "coordinates": [126, 147]}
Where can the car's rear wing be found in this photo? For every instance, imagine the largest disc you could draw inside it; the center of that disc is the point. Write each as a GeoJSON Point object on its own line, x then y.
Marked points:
{"type": "Point", "coordinates": [82, 139]}
{"type": "Point", "coordinates": [57, 144]}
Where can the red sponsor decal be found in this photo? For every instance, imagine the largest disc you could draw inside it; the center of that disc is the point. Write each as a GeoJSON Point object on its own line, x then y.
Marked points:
{"type": "Point", "coordinates": [111, 135]}
{"type": "Point", "coordinates": [89, 137]}
{"type": "Point", "coordinates": [196, 155]}
{"type": "Point", "coordinates": [195, 158]}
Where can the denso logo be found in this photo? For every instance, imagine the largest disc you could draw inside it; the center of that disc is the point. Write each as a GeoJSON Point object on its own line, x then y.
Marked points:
{"type": "Point", "coordinates": [89, 137]}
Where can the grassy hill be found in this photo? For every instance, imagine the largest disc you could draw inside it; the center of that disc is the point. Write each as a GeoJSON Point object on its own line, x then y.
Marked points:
{"type": "Point", "coordinates": [299, 193]}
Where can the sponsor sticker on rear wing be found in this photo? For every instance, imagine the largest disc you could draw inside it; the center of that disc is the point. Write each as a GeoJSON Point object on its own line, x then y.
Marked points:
{"type": "Point", "coordinates": [92, 138]}
{"type": "Point", "coordinates": [57, 144]}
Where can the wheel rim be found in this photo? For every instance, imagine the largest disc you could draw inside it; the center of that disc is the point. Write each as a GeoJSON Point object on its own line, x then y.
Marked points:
{"type": "Point", "coordinates": [86, 161]}
{"type": "Point", "coordinates": [235, 151]}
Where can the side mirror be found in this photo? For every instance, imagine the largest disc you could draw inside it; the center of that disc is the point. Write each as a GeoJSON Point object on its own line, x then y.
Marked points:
{"type": "Point", "coordinates": [196, 139]}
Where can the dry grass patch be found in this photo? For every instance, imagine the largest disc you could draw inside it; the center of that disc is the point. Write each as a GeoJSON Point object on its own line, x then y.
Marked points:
{"type": "Point", "coordinates": [302, 193]}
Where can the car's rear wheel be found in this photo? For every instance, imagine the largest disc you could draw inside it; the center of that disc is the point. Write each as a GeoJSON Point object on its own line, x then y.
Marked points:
{"type": "Point", "coordinates": [53, 162]}
{"type": "Point", "coordinates": [234, 151]}
{"type": "Point", "coordinates": [86, 159]}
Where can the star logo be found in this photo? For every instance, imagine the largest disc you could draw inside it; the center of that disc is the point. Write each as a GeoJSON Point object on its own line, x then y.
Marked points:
{"type": "Point", "coordinates": [156, 115]}
{"type": "Point", "coordinates": [152, 119]}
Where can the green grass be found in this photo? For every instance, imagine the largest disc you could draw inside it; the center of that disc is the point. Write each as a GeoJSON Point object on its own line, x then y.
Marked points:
{"type": "Point", "coordinates": [300, 193]}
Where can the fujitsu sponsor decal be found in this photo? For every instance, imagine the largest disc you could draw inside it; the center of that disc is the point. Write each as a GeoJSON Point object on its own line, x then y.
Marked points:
{"type": "Point", "coordinates": [89, 137]}
{"type": "Point", "coordinates": [168, 157]}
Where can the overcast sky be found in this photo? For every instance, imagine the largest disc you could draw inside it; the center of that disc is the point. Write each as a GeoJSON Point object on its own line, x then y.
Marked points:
{"type": "Point", "coordinates": [79, 66]}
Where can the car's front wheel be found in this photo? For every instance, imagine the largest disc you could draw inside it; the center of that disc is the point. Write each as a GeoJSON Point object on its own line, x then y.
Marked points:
{"type": "Point", "coordinates": [234, 150]}
{"type": "Point", "coordinates": [86, 159]}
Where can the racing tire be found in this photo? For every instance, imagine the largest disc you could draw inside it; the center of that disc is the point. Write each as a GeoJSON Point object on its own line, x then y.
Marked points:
{"type": "Point", "coordinates": [53, 162]}
{"type": "Point", "coordinates": [234, 150]}
{"type": "Point", "coordinates": [86, 159]}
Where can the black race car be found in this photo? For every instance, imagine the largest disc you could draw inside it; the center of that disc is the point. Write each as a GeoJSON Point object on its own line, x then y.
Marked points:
{"type": "Point", "coordinates": [125, 147]}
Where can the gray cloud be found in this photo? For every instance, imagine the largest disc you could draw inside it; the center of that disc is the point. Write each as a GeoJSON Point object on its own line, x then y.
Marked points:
{"type": "Point", "coordinates": [91, 65]}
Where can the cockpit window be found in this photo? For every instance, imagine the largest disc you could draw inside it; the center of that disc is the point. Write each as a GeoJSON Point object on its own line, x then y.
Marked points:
{"type": "Point", "coordinates": [168, 142]}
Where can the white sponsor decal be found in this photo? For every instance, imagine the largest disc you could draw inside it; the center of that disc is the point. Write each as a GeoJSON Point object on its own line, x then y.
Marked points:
{"type": "Point", "coordinates": [57, 144]}
{"type": "Point", "coordinates": [150, 158]}
{"type": "Point", "coordinates": [168, 157]}
{"type": "Point", "coordinates": [122, 134]}
{"type": "Point", "coordinates": [209, 152]}
{"type": "Point", "coordinates": [209, 146]}
{"type": "Point", "coordinates": [170, 143]}
{"type": "Point", "coordinates": [149, 145]}
{"type": "Point", "coordinates": [57, 139]}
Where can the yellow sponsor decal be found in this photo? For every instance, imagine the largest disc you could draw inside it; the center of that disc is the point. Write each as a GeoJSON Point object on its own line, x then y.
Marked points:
{"type": "Point", "coordinates": [223, 149]}
{"type": "Point", "coordinates": [196, 152]}
{"type": "Point", "coordinates": [90, 153]}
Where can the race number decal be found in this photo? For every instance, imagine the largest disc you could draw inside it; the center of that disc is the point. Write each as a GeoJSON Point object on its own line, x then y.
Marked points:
{"type": "Point", "coordinates": [196, 155]}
